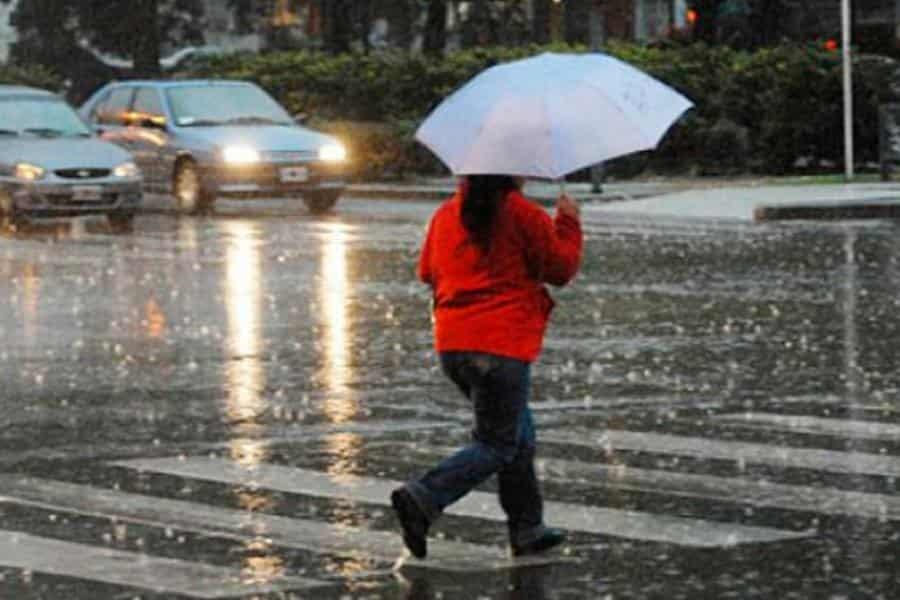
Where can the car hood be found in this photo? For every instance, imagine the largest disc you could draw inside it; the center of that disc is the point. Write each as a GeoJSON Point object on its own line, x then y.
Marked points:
{"type": "Point", "coordinates": [264, 138]}
{"type": "Point", "coordinates": [63, 153]}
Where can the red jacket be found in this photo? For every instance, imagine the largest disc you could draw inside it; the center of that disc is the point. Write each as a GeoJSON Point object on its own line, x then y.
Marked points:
{"type": "Point", "coordinates": [496, 302]}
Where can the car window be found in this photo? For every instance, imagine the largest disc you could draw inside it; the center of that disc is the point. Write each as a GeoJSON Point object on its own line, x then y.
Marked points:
{"type": "Point", "coordinates": [147, 108]}
{"type": "Point", "coordinates": [206, 104]}
{"type": "Point", "coordinates": [41, 116]}
{"type": "Point", "coordinates": [99, 107]}
{"type": "Point", "coordinates": [115, 107]}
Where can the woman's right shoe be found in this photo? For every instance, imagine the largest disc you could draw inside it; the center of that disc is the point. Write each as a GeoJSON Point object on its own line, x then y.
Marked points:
{"type": "Point", "coordinates": [549, 538]}
{"type": "Point", "coordinates": [412, 520]}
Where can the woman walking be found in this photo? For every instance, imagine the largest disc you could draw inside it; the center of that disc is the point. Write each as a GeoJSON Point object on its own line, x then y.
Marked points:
{"type": "Point", "coordinates": [487, 255]}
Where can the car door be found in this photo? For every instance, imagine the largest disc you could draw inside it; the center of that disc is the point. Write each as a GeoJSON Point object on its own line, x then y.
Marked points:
{"type": "Point", "coordinates": [149, 135]}
{"type": "Point", "coordinates": [109, 116]}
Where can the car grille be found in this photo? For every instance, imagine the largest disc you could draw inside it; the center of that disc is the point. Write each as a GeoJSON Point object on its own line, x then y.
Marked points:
{"type": "Point", "coordinates": [82, 173]}
{"type": "Point", "coordinates": [67, 200]}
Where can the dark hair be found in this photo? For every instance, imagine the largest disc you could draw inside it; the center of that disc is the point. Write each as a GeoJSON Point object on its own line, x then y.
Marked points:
{"type": "Point", "coordinates": [483, 194]}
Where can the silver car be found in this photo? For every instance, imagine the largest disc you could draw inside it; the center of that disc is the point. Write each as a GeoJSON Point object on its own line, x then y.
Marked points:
{"type": "Point", "coordinates": [199, 140]}
{"type": "Point", "coordinates": [52, 165]}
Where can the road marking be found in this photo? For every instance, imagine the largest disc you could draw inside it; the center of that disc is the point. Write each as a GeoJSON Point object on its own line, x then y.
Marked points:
{"type": "Point", "coordinates": [867, 430]}
{"type": "Point", "coordinates": [164, 575]}
{"type": "Point", "coordinates": [354, 542]}
{"type": "Point", "coordinates": [482, 505]}
{"type": "Point", "coordinates": [284, 433]}
{"type": "Point", "coordinates": [730, 489]}
{"type": "Point", "coordinates": [741, 452]}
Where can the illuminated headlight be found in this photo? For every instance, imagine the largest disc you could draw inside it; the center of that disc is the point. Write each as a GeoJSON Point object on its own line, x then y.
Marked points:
{"type": "Point", "coordinates": [332, 153]}
{"type": "Point", "coordinates": [240, 155]}
{"type": "Point", "coordinates": [29, 172]}
{"type": "Point", "coordinates": [128, 169]}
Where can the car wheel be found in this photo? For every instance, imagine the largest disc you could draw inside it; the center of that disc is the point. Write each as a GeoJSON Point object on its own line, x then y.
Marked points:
{"type": "Point", "coordinates": [321, 201]}
{"type": "Point", "coordinates": [190, 197]}
{"type": "Point", "coordinates": [9, 218]}
{"type": "Point", "coordinates": [121, 221]}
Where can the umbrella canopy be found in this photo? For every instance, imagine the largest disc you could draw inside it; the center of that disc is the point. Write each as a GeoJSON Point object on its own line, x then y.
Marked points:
{"type": "Point", "coordinates": [550, 115]}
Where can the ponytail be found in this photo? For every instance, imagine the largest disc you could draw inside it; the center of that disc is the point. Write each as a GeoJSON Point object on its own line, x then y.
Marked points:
{"type": "Point", "coordinates": [481, 200]}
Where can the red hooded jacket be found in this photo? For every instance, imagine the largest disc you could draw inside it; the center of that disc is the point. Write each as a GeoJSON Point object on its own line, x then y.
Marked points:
{"type": "Point", "coordinates": [496, 302]}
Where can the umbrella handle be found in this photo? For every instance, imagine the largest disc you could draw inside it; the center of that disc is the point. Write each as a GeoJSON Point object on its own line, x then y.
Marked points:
{"type": "Point", "coordinates": [562, 186]}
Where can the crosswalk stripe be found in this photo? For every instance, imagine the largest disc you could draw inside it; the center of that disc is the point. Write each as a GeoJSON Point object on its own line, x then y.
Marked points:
{"type": "Point", "coordinates": [743, 491]}
{"type": "Point", "coordinates": [742, 452]}
{"type": "Point", "coordinates": [867, 430]}
{"type": "Point", "coordinates": [355, 542]}
{"type": "Point", "coordinates": [576, 517]}
{"type": "Point", "coordinates": [275, 435]}
{"type": "Point", "coordinates": [119, 567]}
{"type": "Point", "coordinates": [730, 489]}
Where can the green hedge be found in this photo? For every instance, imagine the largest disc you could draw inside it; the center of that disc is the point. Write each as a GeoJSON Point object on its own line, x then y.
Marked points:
{"type": "Point", "coordinates": [755, 111]}
{"type": "Point", "coordinates": [30, 75]}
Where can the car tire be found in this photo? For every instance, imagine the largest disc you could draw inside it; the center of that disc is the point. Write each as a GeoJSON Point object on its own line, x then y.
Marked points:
{"type": "Point", "coordinates": [321, 201]}
{"type": "Point", "coordinates": [121, 222]}
{"type": "Point", "coordinates": [9, 217]}
{"type": "Point", "coordinates": [190, 196]}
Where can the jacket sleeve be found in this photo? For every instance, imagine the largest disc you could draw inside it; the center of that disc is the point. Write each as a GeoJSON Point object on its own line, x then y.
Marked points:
{"type": "Point", "coordinates": [424, 268]}
{"type": "Point", "coordinates": [554, 246]}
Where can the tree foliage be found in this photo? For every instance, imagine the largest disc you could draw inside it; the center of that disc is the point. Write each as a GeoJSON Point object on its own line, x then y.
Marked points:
{"type": "Point", "coordinates": [61, 35]}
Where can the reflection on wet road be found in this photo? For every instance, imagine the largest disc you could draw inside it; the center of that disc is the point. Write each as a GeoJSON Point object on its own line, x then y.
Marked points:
{"type": "Point", "coordinates": [218, 406]}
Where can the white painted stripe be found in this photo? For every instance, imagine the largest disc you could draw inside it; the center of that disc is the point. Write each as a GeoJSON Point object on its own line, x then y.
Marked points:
{"type": "Point", "coordinates": [575, 517]}
{"type": "Point", "coordinates": [741, 452]}
{"type": "Point", "coordinates": [866, 430]}
{"type": "Point", "coordinates": [314, 536]}
{"type": "Point", "coordinates": [741, 491]}
{"type": "Point", "coordinates": [730, 489]}
{"type": "Point", "coordinates": [305, 433]}
{"type": "Point", "coordinates": [753, 492]}
{"type": "Point", "coordinates": [164, 575]}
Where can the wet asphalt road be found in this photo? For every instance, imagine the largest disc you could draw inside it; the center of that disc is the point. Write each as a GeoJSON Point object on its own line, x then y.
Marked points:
{"type": "Point", "coordinates": [729, 375]}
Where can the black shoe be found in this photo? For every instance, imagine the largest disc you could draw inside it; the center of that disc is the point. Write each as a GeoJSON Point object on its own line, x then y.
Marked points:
{"type": "Point", "coordinates": [412, 520]}
{"type": "Point", "coordinates": [548, 539]}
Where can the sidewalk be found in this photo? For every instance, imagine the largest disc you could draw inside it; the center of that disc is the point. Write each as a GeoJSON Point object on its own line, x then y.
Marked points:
{"type": "Point", "coordinates": [740, 199]}
{"type": "Point", "coordinates": [437, 189]}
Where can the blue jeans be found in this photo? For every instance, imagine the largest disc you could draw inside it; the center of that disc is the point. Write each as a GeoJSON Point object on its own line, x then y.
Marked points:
{"type": "Point", "coordinates": [503, 442]}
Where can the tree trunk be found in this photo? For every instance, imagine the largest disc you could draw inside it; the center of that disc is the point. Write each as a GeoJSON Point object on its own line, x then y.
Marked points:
{"type": "Point", "coordinates": [147, 40]}
{"type": "Point", "coordinates": [364, 13]}
{"type": "Point", "coordinates": [436, 27]}
{"type": "Point", "coordinates": [578, 21]}
{"type": "Point", "coordinates": [705, 27]}
{"type": "Point", "coordinates": [337, 27]}
{"type": "Point", "coordinates": [400, 23]}
{"type": "Point", "coordinates": [540, 21]}
{"type": "Point", "coordinates": [478, 25]}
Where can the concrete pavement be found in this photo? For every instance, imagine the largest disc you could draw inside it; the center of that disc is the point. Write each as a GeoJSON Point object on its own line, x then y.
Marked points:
{"type": "Point", "coordinates": [746, 200]}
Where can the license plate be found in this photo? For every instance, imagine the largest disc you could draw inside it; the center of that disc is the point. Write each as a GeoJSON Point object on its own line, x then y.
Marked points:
{"type": "Point", "coordinates": [294, 174]}
{"type": "Point", "coordinates": [87, 193]}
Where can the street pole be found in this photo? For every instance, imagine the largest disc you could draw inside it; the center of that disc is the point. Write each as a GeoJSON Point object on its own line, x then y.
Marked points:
{"type": "Point", "coordinates": [848, 89]}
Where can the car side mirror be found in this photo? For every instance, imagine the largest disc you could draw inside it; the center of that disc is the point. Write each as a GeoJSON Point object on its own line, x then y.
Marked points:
{"type": "Point", "coordinates": [153, 123]}
{"type": "Point", "coordinates": [301, 118]}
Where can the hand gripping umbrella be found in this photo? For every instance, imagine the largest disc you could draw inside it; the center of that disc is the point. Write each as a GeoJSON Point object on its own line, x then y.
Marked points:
{"type": "Point", "coordinates": [550, 115]}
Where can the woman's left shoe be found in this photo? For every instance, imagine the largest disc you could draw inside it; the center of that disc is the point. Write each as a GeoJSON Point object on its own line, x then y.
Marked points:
{"type": "Point", "coordinates": [549, 538]}
{"type": "Point", "coordinates": [412, 520]}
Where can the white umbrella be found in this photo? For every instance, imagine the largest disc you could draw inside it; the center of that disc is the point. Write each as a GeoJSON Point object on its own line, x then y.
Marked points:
{"type": "Point", "coordinates": [550, 115]}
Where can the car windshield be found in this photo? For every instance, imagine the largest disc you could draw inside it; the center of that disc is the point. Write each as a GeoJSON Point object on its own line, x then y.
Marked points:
{"type": "Point", "coordinates": [194, 106]}
{"type": "Point", "coordinates": [39, 116]}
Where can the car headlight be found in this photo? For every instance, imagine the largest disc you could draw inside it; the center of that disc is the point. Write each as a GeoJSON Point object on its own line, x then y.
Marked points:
{"type": "Point", "coordinates": [332, 153]}
{"type": "Point", "coordinates": [240, 155]}
{"type": "Point", "coordinates": [128, 169]}
{"type": "Point", "coordinates": [29, 172]}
